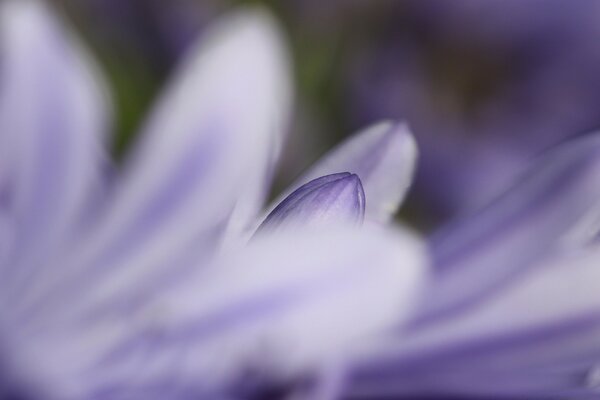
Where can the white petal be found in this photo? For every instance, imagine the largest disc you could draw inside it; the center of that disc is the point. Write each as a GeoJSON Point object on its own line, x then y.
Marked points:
{"type": "Point", "coordinates": [283, 306]}
{"type": "Point", "coordinates": [383, 156]}
{"type": "Point", "coordinates": [548, 319]}
{"type": "Point", "coordinates": [315, 292]}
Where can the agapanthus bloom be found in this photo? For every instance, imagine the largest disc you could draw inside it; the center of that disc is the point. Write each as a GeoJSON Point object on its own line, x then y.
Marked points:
{"type": "Point", "coordinates": [147, 280]}
{"type": "Point", "coordinates": [167, 278]}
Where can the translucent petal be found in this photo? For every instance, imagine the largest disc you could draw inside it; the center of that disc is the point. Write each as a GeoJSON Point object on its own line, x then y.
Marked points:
{"type": "Point", "coordinates": [383, 156]}
{"type": "Point", "coordinates": [208, 138]}
{"type": "Point", "coordinates": [538, 337]}
{"type": "Point", "coordinates": [552, 208]}
{"type": "Point", "coordinates": [284, 305]}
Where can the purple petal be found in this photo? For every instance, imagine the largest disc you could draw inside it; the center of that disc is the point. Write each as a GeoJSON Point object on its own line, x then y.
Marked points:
{"type": "Point", "coordinates": [286, 304]}
{"type": "Point", "coordinates": [553, 207]}
{"type": "Point", "coordinates": [383, 156]}
{"type": "Point", "coordinates": [540, 337]}
{"type": "Point", "coordinates": [209, 139]}
{"type": "Point", "coordinates": [545, 383]}
{"type": "Point", "coordinates": [336, 198]}
{"type": "Point", "coordinates": [52, 119]}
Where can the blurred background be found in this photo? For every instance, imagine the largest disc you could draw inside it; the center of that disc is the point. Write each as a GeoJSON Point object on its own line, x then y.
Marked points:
{"type": "Point", "coordinates": [484, 85]}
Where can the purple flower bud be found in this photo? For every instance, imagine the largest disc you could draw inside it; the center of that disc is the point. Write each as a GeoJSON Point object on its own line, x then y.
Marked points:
{"type": "Point", "coordinates": [325, 200]}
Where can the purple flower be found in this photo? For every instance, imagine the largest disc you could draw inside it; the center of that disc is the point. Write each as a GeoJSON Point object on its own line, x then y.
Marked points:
{"type": "Point", "coordinates": [139, 281]}
{"type": "Point", "coordinates": [512, 309]}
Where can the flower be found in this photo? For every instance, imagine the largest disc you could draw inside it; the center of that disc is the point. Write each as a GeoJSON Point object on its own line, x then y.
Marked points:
{"type": "Point", "coordinates": [512, 308]}
{"type": "Point", "coordinates": [139, 281]}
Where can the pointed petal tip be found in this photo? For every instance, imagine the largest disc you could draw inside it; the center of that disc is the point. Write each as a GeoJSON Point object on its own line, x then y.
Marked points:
{"type": "Point", "coordinates": [259, 34]}
{"type": "Point", "coordinates": [255, 18]}
{"type": "Point", "coordinates": [22, 17]}
{"type": "Point", "coordinates": [393, 127]}
{"type": "Point", "coordinates": [35, 29]}
{"type": "Point", "coordinates": [401, 132]}
{"type": "Point", "coordinates": [389, 174]}
{"type": "Point", "coordinates": [384, 156]}
{"type": "Point", "coordinates": [330, 199]}
{"type": "Point", "coordinates": [256, 27]}
{"type": "Point", "coordinates": [21, 8]}
{"type": "Point", "coordinates": [350, 178]}
{"type": "Point", "coordinates": [248, 35]}
{"type": "Point", "coordinates": [27, 20]}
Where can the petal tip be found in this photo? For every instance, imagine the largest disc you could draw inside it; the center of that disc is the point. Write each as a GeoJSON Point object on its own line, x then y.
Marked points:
{"type": "Point", "coordinates": [335, 198]}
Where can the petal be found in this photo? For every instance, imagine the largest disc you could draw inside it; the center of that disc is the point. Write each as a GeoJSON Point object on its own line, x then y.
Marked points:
{"type": "Point", "coordinates": [383, 156]}
{"type": "Point", "coordinates": [208, 138]}
{"type": "Point", "coordinates": [336, 198]}
{"type": "Point", "coordinates": [53, 114]}
{"type": "Point", "coordinates": [280, 307]}
{"type": "Point", "coordinates": [541, 336]}
{"type": "Point", "coordinates": [546, 383]}
{"type": "Point", "coordinates": [553, 207]}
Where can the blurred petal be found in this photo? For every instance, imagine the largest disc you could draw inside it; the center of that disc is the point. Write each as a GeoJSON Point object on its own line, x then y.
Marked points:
{"type": "Point", "coordinates": [52, 120]}
{"type": "Point", "coordinates": [541, 336]}
{"type": "Point", "coordinates": [383, 156]}
{"type": "Point", "coordinates": [336, 198]}
{"type": "Point", "coordinates": [252, 192]}
{"type": "Point", "coordinates": [209, 137]}
{"type": "Point", "coordinates": [545, 383]}
{"type": "Point", "coordinates": [553, 207]}
{"type": "Point", "coordinates": [285, 304]}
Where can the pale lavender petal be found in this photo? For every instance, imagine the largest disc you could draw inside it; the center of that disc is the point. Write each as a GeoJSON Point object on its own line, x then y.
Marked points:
{"type": "Point", "coordinates": [553, 207]}
{"type": "Point", "coordinates": [284, 305]}
{"type": "Point", "coordinates": [331, 199]}
{"type": "Point", "coordinates": [53, 114]}
{"type": "Point", "coordinates": [210, 136]}
{"type": "Point", "coordinates": [540, 336]}
{"type": "Point", "coordinates": [383, 156]}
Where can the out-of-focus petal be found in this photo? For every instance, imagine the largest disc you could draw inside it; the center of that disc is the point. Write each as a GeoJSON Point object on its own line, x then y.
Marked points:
{"type": "Point", "coordinates": [209, 137]}
{"type": "Point", "coordinates": [278, 308]}
{"type": "Point", "coordinates": [252, 192]}
{"type": "Point", "coordinates": [383, 156]}
{"type": "Point", "coordinates": [541, 336]}
{"type": "Point", "coordinates": [444, 382]}
{"type": "Point", "coordinates": [53, 114]}
{"type": "Point", "coordinates": [553, 207]}
{"type": "Point", "coordinates": [337, 198]}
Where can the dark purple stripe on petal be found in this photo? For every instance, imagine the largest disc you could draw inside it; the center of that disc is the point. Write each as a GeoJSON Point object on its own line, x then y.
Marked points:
{"type": "Point", "coordinates": [186, 176]}
{"type": "Point", "coordinates": [286, 301]}
{"type": "Point", "coordinates": [504, 348]}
